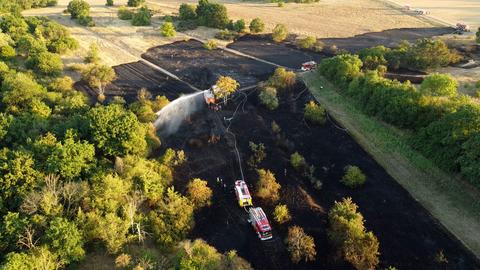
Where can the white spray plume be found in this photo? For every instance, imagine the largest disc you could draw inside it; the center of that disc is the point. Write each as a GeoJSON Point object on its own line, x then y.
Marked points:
{"type": "Point", "coordinates": [171, 116]}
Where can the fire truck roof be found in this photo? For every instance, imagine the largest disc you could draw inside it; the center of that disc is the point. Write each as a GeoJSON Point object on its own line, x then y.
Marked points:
{"type": "Point", "coordinates": [260, 218]}
{"type": "Point", "coordinates": [242, 189]}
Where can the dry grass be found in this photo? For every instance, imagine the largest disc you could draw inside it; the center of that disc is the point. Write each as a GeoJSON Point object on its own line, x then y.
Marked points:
{"type": "Point", "coordinates": [450, 200]}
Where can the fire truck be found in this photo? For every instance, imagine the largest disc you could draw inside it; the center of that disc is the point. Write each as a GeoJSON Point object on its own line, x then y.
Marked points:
{"type": "Point", "coordinates": [260, 224]}
{"type": "Point", "coordinates": [210, 99]}
{"type": "Point", "coordinates": [309, 65]}
{"type": "Point", "coordinates": [243, 195]}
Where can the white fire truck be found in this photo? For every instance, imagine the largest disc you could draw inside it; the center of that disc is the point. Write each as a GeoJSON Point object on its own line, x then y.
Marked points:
{"type": "Point", "coordinates": [260, 224]}
{"type": "Point", "coordinates": [243, 195]}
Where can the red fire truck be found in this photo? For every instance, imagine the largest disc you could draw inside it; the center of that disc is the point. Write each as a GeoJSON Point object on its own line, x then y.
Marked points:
{"type": "Point", "coordinates": [260, 223]}
{"type": "Point", "coordinates": [243, 195]}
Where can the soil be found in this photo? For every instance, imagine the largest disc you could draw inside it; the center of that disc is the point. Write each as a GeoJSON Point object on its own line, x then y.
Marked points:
{"type": "Point", "coordinates": [132, 77]}
{"type": "Point", "coordinates": [201, 67]}
{"type": "Point", "coordinates": [409, 237]}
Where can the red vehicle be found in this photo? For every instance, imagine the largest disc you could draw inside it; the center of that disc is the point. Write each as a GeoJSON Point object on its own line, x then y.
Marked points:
{"type": "Point", "coordinates": [243, 195]}
{"type": "Point", "coordinates": [260, 223]}
{"type": "Point", "coordinates": [309, 65]}
{"type": "Point", "coordinates": [210, 99]}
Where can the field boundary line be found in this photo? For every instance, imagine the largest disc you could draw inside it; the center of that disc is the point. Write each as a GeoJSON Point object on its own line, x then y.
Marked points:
{"type": "Point", "coordinates": [449, 200]}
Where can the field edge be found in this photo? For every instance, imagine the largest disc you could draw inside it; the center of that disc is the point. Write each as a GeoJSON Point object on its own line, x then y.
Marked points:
{"type": "Point", "coordinates": [456, 206]}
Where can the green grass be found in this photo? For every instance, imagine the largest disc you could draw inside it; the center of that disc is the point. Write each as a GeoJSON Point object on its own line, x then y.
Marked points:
{"type": "Point", "coordinates": [452, 201]}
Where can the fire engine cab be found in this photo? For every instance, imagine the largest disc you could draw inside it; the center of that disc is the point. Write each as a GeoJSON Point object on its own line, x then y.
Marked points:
{"type": "Point", "coordinates": [243, 195]}
{"type": "Point", "coordinates": [260, 223]}
{"type": "Point", "coordinates": [309, 65]}
{"type": "Point", "coordinates": [210, 99]}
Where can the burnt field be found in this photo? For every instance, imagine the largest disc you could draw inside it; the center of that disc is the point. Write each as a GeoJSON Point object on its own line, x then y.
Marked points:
{"type": "Point", "coordinates": [286, 54]}
{"type": "Point", "coordinates": [409, 237]}
{"type": "Point", "coordinates": [191, 62]}
{"type": "Point", "coordinates": [132, 77]}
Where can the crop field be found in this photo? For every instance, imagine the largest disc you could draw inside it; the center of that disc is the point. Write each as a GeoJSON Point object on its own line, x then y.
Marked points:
{"type": "Point", "coordinates": [410, 238]}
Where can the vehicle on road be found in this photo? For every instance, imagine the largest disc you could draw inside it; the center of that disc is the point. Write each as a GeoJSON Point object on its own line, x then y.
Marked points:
{"type": "Point", "coordinates": [260, 223]}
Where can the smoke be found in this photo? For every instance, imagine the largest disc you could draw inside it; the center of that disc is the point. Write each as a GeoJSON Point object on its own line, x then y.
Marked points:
{"type": "Point", "coordinates": [171, 116]}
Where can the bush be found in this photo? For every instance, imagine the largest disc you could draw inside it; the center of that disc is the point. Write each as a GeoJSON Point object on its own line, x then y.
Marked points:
{"type": "Point", "coordinates": [315, 113]}
{"type": "Point", "coordinates": [282, 79]}
{"type": "Point", "coordinates": [279, 33]}
{"type": "Point", "coordinates": [124, 13]}
{"type": "Point", "coordinates": [341, 69]}
{"type": "Point", "coordinates": [93, 54]}
{"type": "Point", "coordinates": [198, 255]}
{"type": "Point", "coordinates": [258, 154]}
{"type": "Point", "coordinates": [297, 161]}
{"type": "Point", "coordinates": [306, 42]}
{"type": "Point", "coordinates": [353, 177]}
{"type": "Point", "coordinates": [268, 97]}
{"type": "Point", "coordinates": [46, 63]}
{"type": "Point", "coordinates": [210, 45]}
{"type": "Point", "coordinates": [7, 52]}
{"type": "Point", "coordinates": [199, 193]}
{"type": "Point", "coordinates": [187, 12]}
{"type": "Point", "coordinates": [240, 26]}
{"type": "Point", "coordinates": [78, 8]}
{"type": "Point", "coordinates": [439, 85]}
{"type": "Point", "coordinates": [227, 86]}
{"type": "Point", "coordinates": [256, 26]}
{"type": "Point", "coordinates": [212, 14]}
{"type": "Point", "coordinates": [300, 245]}
{"type": "Point", "coordinates": [187, 25]}
{"type": "Point", "coordinates": [86, 21]}
{"type": "Point", "coordinates": [267, 187]}
{"type": "Point", "coordinates": [142, 17]}
{"type": "Point", "coordinates": [348, 235]}
{"type": "Point", "coordinates": [135, 3]}
{"type": "Point", "coordinates": [477, 34]}
{"type": "Point", "coordinates": [109, 3]}
{"type": "Point", "coordinates": [427, 54]}
{"type": "Point", "coordinates": [226, 35]}
{"type": "Point", "coordinates": [373, 57]}
{"type": "Point", "coordinates": [168, 30]}
{"type": "Point", "coordinates": [281, 214]}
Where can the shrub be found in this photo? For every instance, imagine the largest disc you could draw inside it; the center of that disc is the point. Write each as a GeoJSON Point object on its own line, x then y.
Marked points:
{"type": "Point", "coordinates": [300, 245]}
{"type": "Point", "coordinates": [477, 34]}
{"type": "Point", "coordinates": [168, 30]}
{"type": "Point", "coordinates": [258, 154]}
{"type": "Point", "coordinates": [226, 35]}
{"type": "Point", "coordinates": [212, 14]}
{"type": "Point", "coordinates": [86, 21]}
{"type": "Point", "coordinates": [319, 46]}
{"type": "Point", "coordinates": [282, 79]}
{"type": "Point", "coordinates": [210, 45]}
{"type": "Point", "coordinates": [7, 52]}
{"type": "Point", "coordinates": [256, 25]}
{"type": "Point", "coordinates": [267, 187]}
{"type": "Point", "coordinates": [281, 214]}
{"type": "Point", "coordinates": [199, 193]}
{"type": "Point", "coordinates": [187, 25]}
{"type": "Point", "coordinates": [373, 57]}
{"type": "Point", "coordinates": [279, 33]}
{"type": "Point", "coordinates": [315, 113]}
{"type": "Point", "coordinates": [46, 63]}
{"type": "Point", "coordinates": [439, 85]}
{"type": "Point", "coordinates": [306, 42]}
{"type": "Point", "coordinates": [275, 127]}
{"type": "Point", "coordinates": [142, 17]}
{"type": "Point", "coordinates": [135, 3]}
{"type": "Point", "coordinates": [227, 86]}
{"type": "Point", "coordinates": [341, 69]}
{"type": "Point", "coordinates": [268, 97]}
{"type": "Point", "coordinates": [198, 255]}
{"type": "Point", "coordinates": [427, 54]}
{"type": "Point", "coordinates": [353, 177]}
{"type": "Point", "coordinates": [240, 26]}
{"type": "Point", "coordinates": [187, 12]}
{"type": "Point", "coordinates": [93, 55]}
{"type": "Point", "coordinates": [78, 8]}
{"type": "Point", "coordinates": [109, 3]}
{"type": "Point", "coordinates": [124, 13]}
{"type": "Point", "coordinates": [297, 161]}
{"type": "Point", "coordinates": [123, 260]}
{"type": "Point", "coordinates": [348, 235]}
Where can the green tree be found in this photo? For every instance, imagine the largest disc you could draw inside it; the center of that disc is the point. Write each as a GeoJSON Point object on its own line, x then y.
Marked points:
{"type": "Point", "coordinates": [187, 12]}
{"type": "Point", "coordinates": [280, 33]}
{"type": "Point", "coordinates": [469, 161]}
{"type": "Point", "coordinates": [124, 13]}
{"type": "Point", "coordinates": [297, 161]}
{"type": "Point", "coordinates": [28, 45]}
{"type": "Point", "coordinates": [142, 17]}
{"type": "Point", "coordinates": [256, 25]}
{"type": "Point", "coordinates": [172, 220]}
{"type": "Point", "coordinates": [300, 245]}
{"type": "Point", "coordinates": [199, 193]}
{"type": "Point", "coordinates": [111, 229]}
{"type": "Point", "coordinates": [282, 79]}
{"type": "Point", "coordinates": [19, 89]}
{"type": "Point", "coordinates": [212, 14]}
{"type": "Point", "coordinates": [66, 239]}
{"type": "Point", "coordinates": [315, 113]}
{"type": "Point", "coordinates": [341, 69]}
{"type": "Point", "coordinates": [439, 85]}
{"type": "Point", "coordinates": [93, 54]}
{"type": "Point", "coordinates": [46, 63]}
{"type": "Point", "coordinates": [373, 57]}
{"type": "Point", "coordinates": [281, 214]}
{"type": "Point", "coordinates": [14, 26]}
{"type": "Point", "coordinates": [268, 97]}
{"type": "Point", "coordinates": [306, 42]}
{"type": "Point", "coordinates": [258, 154]}
{"type": "Point", "coordinates": [7, 52]}
{"type": "Point", "coordinates": [267, 187]}
{"type": "Point", "coordinates": [428, 53]}
{"type": "Point", "coordinates": [109, 3]}
{"type": "Point", "coordinates": [12, 227]}
{"type": "Point", "coordinates": [477, 34]}
{"type": "Point", "coordinates": [116, 132]}
{"type": "Point", "coordinates": [78, 8]}
{"type": "Point", "coordinates": [98, 76]}
{"type": "Point", "coordinates": [353, 177]}
{"type": "Point", "coordinates": [168, 29]}
{"type": "Point", "coordinates": [135, 3]}
{"type": "Point", "coordinates": [240, 26]}
{"type": "Point", "coordinates": [198, 255]}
